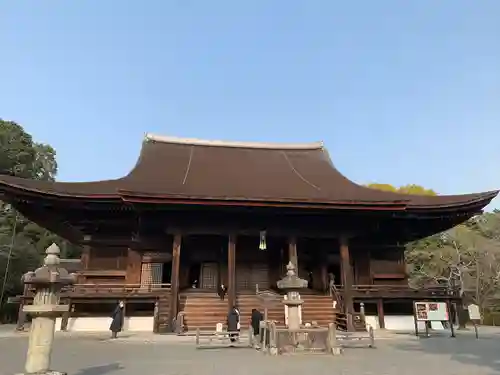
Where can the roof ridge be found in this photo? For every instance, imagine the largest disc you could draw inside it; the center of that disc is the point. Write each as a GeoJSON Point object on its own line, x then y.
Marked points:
{"type": "Point", "coordinates": [234, 144]}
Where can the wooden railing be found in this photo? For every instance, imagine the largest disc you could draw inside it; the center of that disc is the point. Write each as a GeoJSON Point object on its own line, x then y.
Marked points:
{"type": "Point", "coordinates": [106, 288]}
{"type": "Point", "coordinates": [337, 292]}
{"type": "Point", "coordinates": [438, 290]}
{"type": "Point", "coordinates": [109, 289]}
{"type": "Point", "coordinates": [389, 290]}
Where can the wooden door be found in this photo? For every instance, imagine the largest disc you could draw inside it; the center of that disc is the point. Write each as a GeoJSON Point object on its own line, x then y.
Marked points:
{"type": "Point", "coordinates": [260, 275]}
{"type": "Point", "coordinates": [243, 276]}
{"type": "Point", "coordinates": [209, 276]}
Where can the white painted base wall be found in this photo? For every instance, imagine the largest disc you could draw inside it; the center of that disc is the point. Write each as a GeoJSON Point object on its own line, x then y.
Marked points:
{"type": "Point", "coordinates": [145, 324]}
{"type": "Point", "coordinates": [101, 324]}
{"type": "Point", "coordinates": [400, 323]}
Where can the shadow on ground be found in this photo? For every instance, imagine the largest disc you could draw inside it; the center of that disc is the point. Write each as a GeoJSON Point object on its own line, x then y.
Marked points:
{"type": "Point", "coordinates": [464, 348]}
{"type": "Point", "coordinates": [100, 370]}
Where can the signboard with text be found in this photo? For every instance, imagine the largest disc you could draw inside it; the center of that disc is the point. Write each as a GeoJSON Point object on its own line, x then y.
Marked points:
{"type": "Point", "coordinates": [431, 311]}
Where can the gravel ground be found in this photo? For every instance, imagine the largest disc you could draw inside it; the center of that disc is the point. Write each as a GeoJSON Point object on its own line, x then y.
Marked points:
{"type": "Point", "coordinates": [165, 355]}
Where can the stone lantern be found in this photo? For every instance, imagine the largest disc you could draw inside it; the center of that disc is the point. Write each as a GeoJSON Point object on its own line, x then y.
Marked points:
{"type": "Point", "coordinates": [292, 284]}
{"type": "Point", "coordinates": [47, 281]}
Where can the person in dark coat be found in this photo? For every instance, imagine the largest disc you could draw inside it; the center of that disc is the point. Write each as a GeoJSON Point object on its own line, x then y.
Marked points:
{"type": "Point", "coordinates": [233, 323]}
{"type": "Point", "coordinates": [256, 318]}
{"type": "Point", "coordinates": [221, 291]}
{"type": "Point", "coordinates": [117, 322]}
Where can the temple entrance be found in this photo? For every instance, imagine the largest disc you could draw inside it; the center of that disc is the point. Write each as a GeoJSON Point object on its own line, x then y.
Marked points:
{"type": "Point", "coordinates": [209, 275]}
{"type": "Point", "coordinates": [248, 276]}
{"type": "Point", "coordinates": [335, 269]}
{"type": "Point", "coordinates": [194, 275]}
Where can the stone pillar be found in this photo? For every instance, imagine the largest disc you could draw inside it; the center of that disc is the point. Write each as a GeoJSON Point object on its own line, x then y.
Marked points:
{"type": "Point", "coordinates": [47, 282]}
{"type": "Point", "coordinates": [174, 283]}
{"type": "Point", "coordinates": [292, 284]}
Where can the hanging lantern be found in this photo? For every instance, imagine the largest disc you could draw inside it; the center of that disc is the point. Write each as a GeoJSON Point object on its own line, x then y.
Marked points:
{"type": "Point", "coordinates": [262, 242]}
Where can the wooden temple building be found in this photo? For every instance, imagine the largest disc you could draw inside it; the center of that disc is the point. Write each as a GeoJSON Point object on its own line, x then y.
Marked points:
{"type": "Point", "coordinates": [194, 214]}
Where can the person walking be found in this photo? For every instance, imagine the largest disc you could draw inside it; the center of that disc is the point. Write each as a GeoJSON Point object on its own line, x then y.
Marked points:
{"type": "Point", "coordinates": [118, 318]}
{"type": "Point", "coordinates": [233, 323]}
{"type": "Point", "coordinates": [256, 318]}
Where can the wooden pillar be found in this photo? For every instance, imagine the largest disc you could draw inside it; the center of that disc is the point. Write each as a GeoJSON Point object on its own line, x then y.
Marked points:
{"type": "Point", "coordinates": [85, 259]}
{"type": "Point", "coordinates": [174, 283]}
{"type": "Point", "coordinates": [292, 253]}
{"type": "Point", "coordinates": [66, 316]}
{"type": "Point", "coordinates": [134, 267]}
{"type": "Point", "coordinates": [347, 280]}
{"type": "Point", "coordinates": [21, 315]}
{"type": "Point", "coordinates": [231, 271]}
{"type": "Point", "coordinates": [324, 278]}
{"type": "Point", "coordinates": [380, 313]}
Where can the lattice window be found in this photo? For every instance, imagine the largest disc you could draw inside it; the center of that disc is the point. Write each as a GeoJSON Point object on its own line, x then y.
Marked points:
{"type": "Point", "coordinates": [146, 275]}
{"type": "Point", "coordinates": [157, 273]}
{"type": "Point", "coordinates": [151, 274]}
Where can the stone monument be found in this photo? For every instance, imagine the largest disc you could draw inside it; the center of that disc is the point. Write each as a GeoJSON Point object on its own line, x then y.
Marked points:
{"type": "Point", "coordinates": [47, 281]}
{"type": "Point", "coordinates": [292, 284]}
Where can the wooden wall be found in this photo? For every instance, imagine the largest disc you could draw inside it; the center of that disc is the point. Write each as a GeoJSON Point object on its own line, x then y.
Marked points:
{"type": "Point", "coordinates": [123, 265]}
{"type": "Point", "coordinates": [387, 266]}
{"type": "Point", "coordinates": [107, 258]}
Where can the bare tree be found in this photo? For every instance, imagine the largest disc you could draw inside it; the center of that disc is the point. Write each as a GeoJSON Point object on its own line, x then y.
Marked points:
{"type": "Point", "coordinates": [465, 258]}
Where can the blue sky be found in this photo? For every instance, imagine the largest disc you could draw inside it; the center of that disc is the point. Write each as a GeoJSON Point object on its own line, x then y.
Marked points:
{"type": "Point", "coordinates": [400, 91]}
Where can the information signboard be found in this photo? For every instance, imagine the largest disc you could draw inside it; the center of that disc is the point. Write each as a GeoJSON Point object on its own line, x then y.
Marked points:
{"type": "Point", "coordinates": [474, 313]}
{"type": "Point", "coordinates": [431, 311]}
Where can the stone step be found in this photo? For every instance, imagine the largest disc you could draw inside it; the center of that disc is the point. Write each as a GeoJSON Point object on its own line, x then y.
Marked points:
{"type": "Point", "coordinates": [205, 309]}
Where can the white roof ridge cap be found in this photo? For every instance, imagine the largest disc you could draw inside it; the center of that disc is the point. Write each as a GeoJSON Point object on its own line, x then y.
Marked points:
{"type": "Point", "coordinates": [217, 143]}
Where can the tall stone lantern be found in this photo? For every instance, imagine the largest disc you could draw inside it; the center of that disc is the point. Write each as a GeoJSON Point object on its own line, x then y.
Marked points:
{"type": "Point", "coordinates": [292, 284]}
{"type": "Point", "coordinates": [47, 281]}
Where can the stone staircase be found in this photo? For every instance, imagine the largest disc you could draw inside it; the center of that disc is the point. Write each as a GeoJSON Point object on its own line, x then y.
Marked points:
{"type": "Point", "coordinates": [163, 310]}
{"type": "Point", "coordinates": [204, 310]}
{"type": "Point", "coordinates": [317, 308]}
{"type": "Point", "coordinates": [247, 302]}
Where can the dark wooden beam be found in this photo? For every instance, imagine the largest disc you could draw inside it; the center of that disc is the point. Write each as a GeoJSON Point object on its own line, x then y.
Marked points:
{"type": "Point", "coordinates": [174, 293]}
{"type": "Point", "coordinates": [220, 230]}
{"type": "Point", "coordinates": [231, 271]}
{"type": "Point", "coordinates": [380, 313]}
{"type": "Point", "coordinates": [50, 221]}
{"type": "Point", "coordinates": [347, 280]}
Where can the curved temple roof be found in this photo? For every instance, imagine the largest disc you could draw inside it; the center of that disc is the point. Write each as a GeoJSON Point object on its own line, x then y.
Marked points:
{"type": "Point", "coordinates": [180, 169]}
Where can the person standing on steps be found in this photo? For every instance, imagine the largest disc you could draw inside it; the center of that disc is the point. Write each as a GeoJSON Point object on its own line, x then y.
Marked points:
{"type": "Point", "coordinates": [331, 283]}
{"type": "Point", "coordinates": [221, 291]}
{"type": "Point", "coordinates": [118, 318]}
